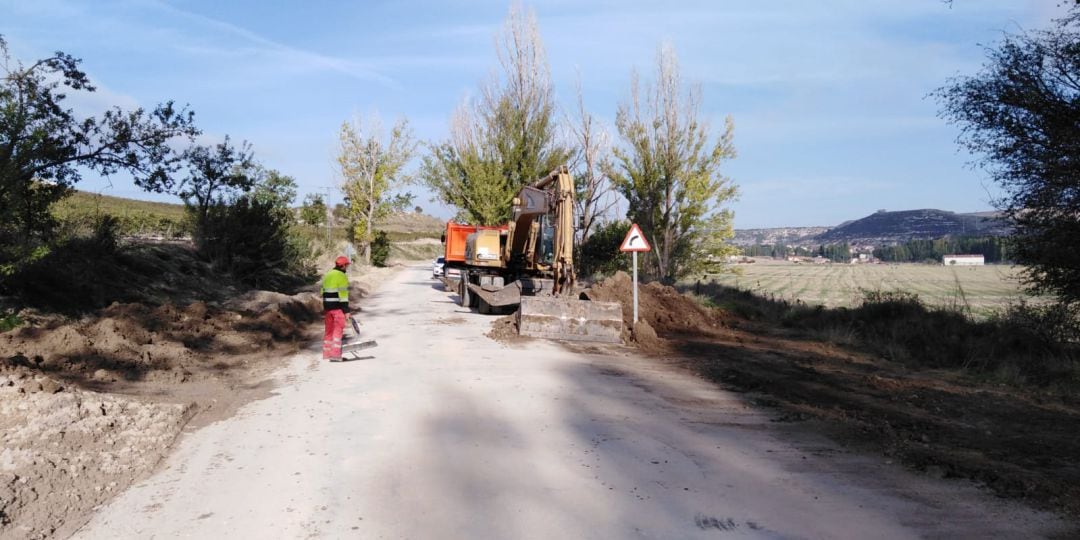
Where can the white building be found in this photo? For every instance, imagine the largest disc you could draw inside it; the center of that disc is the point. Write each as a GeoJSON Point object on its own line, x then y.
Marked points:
{"type": "Point", "coordinates": [963, 260]}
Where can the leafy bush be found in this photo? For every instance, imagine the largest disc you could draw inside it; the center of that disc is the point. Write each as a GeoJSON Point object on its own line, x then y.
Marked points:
{"type": "Point", "coordinates": [9, 320]}
{"type": "Point", "coordinates": [74, 274]}
{"type": "Point", "coordinates": [600, 253]}
{"type": "Point", "coordinates": [380, 249]}
{"type": "Point", "coordinates": [1054, 323]}
{"type": "Point", "coordinates": [255, 240]}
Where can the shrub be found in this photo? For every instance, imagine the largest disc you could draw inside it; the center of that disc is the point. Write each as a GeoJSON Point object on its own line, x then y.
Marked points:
{"type": "Point", "coordinates": [380, 249]}
{"type": "Point", "coordinates": [600, 253]}
{"type": "Point", "coordinates": [9, 320]}
{"type": "Point", "coordinates": [74, 274]}
{"type": "Point", "coordinates": [255, 240]}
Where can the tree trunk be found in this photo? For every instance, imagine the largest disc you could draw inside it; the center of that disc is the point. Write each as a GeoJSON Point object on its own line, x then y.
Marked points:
{"type": "Point", "coordinates": [370, 217]}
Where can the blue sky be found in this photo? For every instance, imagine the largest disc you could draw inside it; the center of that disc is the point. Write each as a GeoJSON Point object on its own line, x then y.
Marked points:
{"type": "Point", "coordinates": [829, 98]}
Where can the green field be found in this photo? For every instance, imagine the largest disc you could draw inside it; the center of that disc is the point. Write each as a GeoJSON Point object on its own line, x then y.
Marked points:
{"type": "Point", "coordinates": [983, 289]}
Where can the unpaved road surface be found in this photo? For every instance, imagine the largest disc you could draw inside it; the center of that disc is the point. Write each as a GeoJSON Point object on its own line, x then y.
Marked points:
{"type": "Point", "coordinates": [445, 433]}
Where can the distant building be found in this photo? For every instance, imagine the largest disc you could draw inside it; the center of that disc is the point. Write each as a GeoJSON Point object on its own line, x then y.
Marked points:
{"type": "Point", "coordinates": [963, 260]}
{"type": "Point", "coordinates": [861, 258]}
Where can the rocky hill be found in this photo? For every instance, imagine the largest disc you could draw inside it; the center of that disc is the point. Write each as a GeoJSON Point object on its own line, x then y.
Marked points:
{"type": "Point", "coordinates": [882, 228]}
{"type": "Point", "coordinates": [791, 236]}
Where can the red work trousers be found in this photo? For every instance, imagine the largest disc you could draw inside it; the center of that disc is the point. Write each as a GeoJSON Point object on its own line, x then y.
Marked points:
{"type": "Point", "coordinates": [334, 320]}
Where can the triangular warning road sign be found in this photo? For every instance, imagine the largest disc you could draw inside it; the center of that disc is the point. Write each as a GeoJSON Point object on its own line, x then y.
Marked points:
{"type": "Point", "coordinates": [635, 240]}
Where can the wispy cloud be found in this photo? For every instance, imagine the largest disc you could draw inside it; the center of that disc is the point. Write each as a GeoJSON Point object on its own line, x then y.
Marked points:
{"type": "Point", "coordinates": [280, 51]}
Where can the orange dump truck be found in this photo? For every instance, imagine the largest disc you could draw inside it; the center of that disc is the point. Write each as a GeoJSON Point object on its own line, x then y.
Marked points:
{"type": "Point", "coordinates": [454, 242]}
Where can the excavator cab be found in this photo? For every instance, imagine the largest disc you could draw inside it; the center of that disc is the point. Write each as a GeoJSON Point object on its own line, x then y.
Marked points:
{"type": "Point", "coordinates": [546, 253]}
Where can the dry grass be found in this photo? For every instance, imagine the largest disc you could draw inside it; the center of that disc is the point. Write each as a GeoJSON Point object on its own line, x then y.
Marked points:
{"type": "Point", "coordinates": [981, 290]}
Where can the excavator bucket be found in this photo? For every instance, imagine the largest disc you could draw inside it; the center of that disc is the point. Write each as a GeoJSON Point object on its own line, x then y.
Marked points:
{"type": "Point", "coordinates": [570, 319]}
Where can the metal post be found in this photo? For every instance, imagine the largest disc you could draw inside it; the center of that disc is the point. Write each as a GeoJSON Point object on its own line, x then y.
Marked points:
{"type": "Point", "coordinates": [635, 287]}
{"type": "Point", "coordinates": [329, 215]}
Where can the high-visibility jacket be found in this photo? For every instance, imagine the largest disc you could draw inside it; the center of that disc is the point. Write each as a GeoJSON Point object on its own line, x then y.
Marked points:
{"type": "Point", "coordinates": [335, 291]}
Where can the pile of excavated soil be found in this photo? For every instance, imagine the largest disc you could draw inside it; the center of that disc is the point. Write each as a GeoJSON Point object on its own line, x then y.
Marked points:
{"type": "Point", "coordinates": [167, 343]}
{"type": "Point", "coordinates": [663, 312]}
{"type": "Point", "coordinates": [505, 330]}
{"type": "Point", "coordinates": [88, 406]}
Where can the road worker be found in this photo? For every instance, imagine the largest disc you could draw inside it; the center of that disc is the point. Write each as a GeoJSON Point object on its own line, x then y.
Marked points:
{"type": "Point", "coordinates": [335, 297]}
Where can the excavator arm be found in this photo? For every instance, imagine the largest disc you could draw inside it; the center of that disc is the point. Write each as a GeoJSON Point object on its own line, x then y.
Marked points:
{"type": "Point", "coordinates": [549, 199]}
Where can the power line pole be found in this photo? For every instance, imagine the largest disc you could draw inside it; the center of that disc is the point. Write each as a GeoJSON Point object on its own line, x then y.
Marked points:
{"type": "Point", "coordinates": [329, 213]}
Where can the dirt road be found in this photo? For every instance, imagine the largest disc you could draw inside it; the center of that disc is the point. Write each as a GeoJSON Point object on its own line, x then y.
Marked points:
{"type": "Point", "coordinates": [444, 433]}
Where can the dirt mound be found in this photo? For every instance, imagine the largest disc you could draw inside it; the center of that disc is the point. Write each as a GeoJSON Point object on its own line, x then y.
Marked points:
{"type": "Point", "coordinates": [505, 330]}
{"type": "Point", "coordinates": [663, 312]}
{"type": "Point", "coordinates": [67, 447]}
{"type": "Point", "coordinates": [164, 343]}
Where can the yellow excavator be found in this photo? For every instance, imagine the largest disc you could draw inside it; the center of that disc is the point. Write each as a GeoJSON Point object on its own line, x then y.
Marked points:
{"type": "Point", "coordinates": [529, 262]}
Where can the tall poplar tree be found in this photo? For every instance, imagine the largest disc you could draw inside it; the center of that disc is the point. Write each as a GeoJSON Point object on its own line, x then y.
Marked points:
{"type": "Point", "coordinates": [506, 138]}
{"type": "Point", "coordinates": [669, 171]}
{"type": "Point", "coordinates": [372, 169]}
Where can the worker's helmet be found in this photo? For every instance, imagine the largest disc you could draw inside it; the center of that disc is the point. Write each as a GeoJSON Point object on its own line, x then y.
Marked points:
{"type": "Point", "coordinates": [341, 261]}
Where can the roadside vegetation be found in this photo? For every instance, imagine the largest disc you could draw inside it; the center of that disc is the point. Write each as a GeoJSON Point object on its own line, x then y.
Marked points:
{"type": "Point", "coordinates": [1020, 344]}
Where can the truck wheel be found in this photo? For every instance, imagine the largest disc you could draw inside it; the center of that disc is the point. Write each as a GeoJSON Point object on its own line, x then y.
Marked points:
{"type": "Point", "coordinates": [464, 294]}
{"type": "Point", "coordinates": [482, 306]}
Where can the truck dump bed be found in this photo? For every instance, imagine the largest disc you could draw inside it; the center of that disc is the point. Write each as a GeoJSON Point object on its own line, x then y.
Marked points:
{"type": "Point", "coordinates": [454, 240]}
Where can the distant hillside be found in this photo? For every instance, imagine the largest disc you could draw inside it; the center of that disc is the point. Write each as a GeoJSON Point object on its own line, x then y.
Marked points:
{"type": "Point", "coordinates": [412, 223]}
{"type": "Point", "coordinates": [790, 236]}
{"type": "Point", "coordinates": [133, 217]}
{"type": "Point", "coordinates": [893, 227]}
{"type": "Point", "coordinates": [137, 217]}
{"type": "Point", "coordinates": [82, 203]}
{"type": "Point", "coordinates": [881, 228]}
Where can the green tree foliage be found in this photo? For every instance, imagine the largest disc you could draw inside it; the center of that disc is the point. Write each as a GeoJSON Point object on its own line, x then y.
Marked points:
{"type": "Point", "coordinates": [1021, 113]}
{"type": "Point", "coordinates": [372, 170]}
{"type": "Point", "coordinates": [273, 187]}
{"type": "Point", "coordinates": [313, 212]}
{"type": "Point", "coordinates": [599, 253]}
{"type": "Point", "coordinates": [254, 235]}
{"type": "Point", "coordinates": [669, 171]}
{"type": "Point", "coordinates": [380, 249]}
{"type": "Point", "coordinates": [45, 148]}
{"type": "Point", "coordinates": [215, 173]}
{"type": "Point", "coordinates": [993, 249]}
{"type": "Point", "coordinates": [835, 252]}
{"type": "Point", "coordinates": [504, 140]}
{"type": "Point", "coordinates": [97, 268]}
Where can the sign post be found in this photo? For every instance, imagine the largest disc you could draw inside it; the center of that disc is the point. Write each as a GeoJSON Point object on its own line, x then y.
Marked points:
{"type": "Point", "coordinates": [634, 242]}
